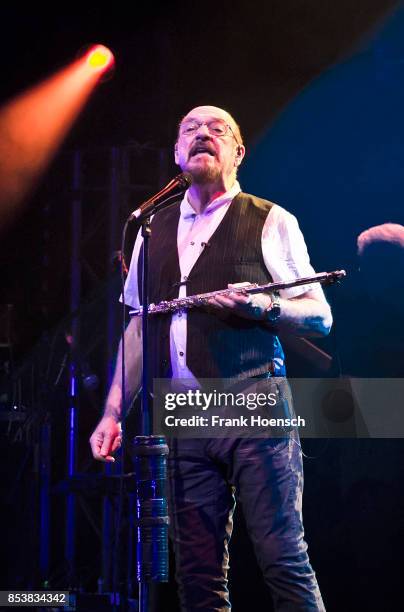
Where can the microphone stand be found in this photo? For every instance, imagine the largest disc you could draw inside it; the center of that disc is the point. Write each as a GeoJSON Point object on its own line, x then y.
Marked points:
{"type": "Point", "coordinates": [150, 463]}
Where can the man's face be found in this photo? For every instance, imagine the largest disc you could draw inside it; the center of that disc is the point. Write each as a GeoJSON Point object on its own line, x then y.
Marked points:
{"type": "Point", "coordinates": [209, 156]}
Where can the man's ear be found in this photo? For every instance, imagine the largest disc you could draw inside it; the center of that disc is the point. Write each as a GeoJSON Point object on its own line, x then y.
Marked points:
{"type": "Point", "coordinates": [176, 153]}
{"type": "Point", "coordinates": [240, 152]}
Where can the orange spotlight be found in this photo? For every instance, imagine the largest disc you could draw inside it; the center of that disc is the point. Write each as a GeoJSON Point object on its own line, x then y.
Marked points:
{"type": "Point", "coordinates": [100, 58]}
{"type": "Point", "coordinates": [34, 124]}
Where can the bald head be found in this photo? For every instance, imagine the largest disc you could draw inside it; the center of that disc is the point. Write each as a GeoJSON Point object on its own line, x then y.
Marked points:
{"type": "Point", "coordinates": [214, 112]}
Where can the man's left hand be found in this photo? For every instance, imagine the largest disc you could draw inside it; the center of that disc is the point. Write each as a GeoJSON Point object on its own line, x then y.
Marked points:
{"type": "Point", "coordinates": [248, 306]}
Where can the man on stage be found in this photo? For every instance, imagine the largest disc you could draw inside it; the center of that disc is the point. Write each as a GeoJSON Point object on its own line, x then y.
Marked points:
{"type": "Point", "coordinates": [218, 235]}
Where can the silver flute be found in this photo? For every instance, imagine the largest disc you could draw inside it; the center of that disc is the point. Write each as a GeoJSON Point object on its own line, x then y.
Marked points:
{"type": "Point", "coordinates": [202, 299]}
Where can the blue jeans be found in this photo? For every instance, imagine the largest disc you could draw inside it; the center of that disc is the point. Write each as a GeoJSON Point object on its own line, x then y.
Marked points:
{"type": "Point", "coordinates": [266, 476]}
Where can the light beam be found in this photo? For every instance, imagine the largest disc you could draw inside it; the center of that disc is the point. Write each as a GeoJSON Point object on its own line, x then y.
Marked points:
{"type": "Point", "coordinates": [34, 124]}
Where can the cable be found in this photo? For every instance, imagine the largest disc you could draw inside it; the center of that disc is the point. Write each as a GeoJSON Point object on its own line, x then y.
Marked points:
{"type": "Point", "coordinates": [116, 549]}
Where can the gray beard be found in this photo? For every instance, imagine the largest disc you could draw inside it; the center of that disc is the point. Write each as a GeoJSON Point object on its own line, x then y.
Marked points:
{"type": "Point", "coordinates": [203, 176]}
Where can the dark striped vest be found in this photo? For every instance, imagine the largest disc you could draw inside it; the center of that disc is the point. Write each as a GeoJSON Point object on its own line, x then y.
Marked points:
{"type": "Point", "coordinates": [216, 346]}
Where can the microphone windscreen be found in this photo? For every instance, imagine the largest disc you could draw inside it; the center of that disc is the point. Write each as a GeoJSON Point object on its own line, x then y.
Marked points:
{"type": "Point", "coordinates": [185, 180]}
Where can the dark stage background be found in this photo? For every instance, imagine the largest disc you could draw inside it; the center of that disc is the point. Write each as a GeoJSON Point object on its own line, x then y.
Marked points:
{"type": "Point", "coordinates": [318, 90]}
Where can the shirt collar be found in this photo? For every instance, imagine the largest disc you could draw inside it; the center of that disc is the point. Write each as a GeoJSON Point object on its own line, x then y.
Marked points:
{"type": "Point", "coordinates": [187, 211]}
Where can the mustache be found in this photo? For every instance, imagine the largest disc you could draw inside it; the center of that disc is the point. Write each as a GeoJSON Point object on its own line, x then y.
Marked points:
{"type": "Point", "coordinates": [202, 147]}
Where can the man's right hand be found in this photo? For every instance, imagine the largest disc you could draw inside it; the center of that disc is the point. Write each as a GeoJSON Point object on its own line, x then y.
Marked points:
{"type": "Point", "coordinates": [106, 439]}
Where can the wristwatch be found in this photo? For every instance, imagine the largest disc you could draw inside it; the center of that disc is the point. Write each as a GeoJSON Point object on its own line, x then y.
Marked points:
{"type": "Point", "coordinates": [273, 312]}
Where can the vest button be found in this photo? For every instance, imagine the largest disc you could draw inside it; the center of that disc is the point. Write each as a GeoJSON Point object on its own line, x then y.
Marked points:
{"type": "Point", "coordinates": [192, 243]}
{"type": "Point", "coordinates": [181, 353]}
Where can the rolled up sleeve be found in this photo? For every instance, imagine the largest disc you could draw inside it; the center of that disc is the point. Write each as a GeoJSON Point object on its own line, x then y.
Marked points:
{"type": "Point", "coordinates": [285, 253]}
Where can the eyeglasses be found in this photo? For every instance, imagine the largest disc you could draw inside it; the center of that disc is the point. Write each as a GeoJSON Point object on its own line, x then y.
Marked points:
{"type": "Point", "coordinates": [216, 128]}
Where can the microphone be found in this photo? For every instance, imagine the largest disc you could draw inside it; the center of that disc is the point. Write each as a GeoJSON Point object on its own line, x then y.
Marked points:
{"type": "Point", "coordinates": [175, 187]}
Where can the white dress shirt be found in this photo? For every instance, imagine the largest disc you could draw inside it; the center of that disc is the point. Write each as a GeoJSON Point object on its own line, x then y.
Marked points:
{"type": "Point", "coordinates": [283, 248]}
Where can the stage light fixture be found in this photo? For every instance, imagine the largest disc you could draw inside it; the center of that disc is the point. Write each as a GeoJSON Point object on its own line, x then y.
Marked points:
{"type": "Point", "coordinates": [100, 58]}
